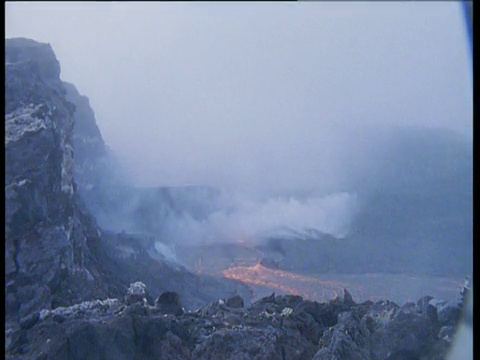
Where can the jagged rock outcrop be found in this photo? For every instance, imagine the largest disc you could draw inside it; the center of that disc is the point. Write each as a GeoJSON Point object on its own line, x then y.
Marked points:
{"type": "Point", "coordinates": [275, 327]}
{"type": "Point", "coordinates": [48, 232]}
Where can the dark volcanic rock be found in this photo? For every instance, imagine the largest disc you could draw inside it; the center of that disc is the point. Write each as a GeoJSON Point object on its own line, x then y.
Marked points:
{"type": "Point", "coordinates": [242, 344]}
{"type": "Point", "coordinates": [47, 230]}
{"type": "Point", "coordinates": [55, 253]}
{"type": "Point", "coordinates": [346, 340]}
{"type": "Point", "coordinates": [268, 262]}
{"type": "Point", "coordinates": [30, 320]}
{"type": "Point", "coordinates": [449, 314]}
{"type": "Point", "coordinates": [235, 302]}
{"type": "Point", "coordinates": [281, 328]}
{"type": "Point", "coordinates": [405, 329]}
{"type": "Point", "coordinates": [169, 303]}
{"type": "Point", "coordinates": [29, 66]}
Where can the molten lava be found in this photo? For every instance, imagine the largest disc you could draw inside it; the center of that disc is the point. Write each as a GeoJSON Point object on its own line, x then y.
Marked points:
{"type": "Point", "coordinates": [247, 264]}
{"type": "Point", "coordinates": [285, 282]}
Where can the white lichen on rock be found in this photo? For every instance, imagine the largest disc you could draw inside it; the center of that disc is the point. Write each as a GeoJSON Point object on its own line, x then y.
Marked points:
{"type": "Point", "coordinates": [23, 182]}
{"type": "Point", "coordinates": [93, 308]}
{"type": "Point", "coordinates": [23, 121]}
{"type": "Point", "coordinates": [383, 318]}
{"type": "Point", "coordinates": [67, 169]}
{"type": "Point", "coordinates": [266, 314]}
{"type": "Point", "coordinates": [137, 292]}
{"type": "Point", "coordinates": [137, 288]}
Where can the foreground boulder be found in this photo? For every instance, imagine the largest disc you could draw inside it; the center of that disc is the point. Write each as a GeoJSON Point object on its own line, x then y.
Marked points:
{"type": "Point", "coordinates": [169, 303]}
{"type": "Point", "coordinates": [235, 302]}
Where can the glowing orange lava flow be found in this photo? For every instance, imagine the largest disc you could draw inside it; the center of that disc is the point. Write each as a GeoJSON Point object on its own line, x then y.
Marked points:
{"type": "Point", "coordinates": [288, 283]}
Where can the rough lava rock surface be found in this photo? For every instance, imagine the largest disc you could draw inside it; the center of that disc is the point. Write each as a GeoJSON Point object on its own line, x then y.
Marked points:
{"type": "Point", "coordinates": [275, 327]}
{"type": "Point", "coordinates": [48, 233]}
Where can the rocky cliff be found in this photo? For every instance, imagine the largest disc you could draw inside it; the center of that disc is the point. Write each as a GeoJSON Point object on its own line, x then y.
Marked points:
{"type": "Point", "coordinates": [97, 172]}
{"type": "Point", "coordinates": [48, 233]}
{"type": "Point", "coordinates": [55, 253]}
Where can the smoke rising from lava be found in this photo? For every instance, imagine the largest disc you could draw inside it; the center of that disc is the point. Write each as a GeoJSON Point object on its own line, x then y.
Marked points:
{"type": "Point", "coordinates": [247, 220]}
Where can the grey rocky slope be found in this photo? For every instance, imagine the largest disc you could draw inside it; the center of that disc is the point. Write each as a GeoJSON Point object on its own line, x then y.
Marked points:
{"type": "Point", "coordinates": [55, 253]}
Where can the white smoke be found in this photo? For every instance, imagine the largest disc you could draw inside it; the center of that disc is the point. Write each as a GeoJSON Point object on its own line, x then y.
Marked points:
{"type": "Point", "coordinates": [165, 251]}
{"type": "Point", "coordinates": [249, 220]}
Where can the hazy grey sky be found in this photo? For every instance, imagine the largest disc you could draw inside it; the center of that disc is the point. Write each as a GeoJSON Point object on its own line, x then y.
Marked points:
{"type": "Point", "coordinates": [255, 95]}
